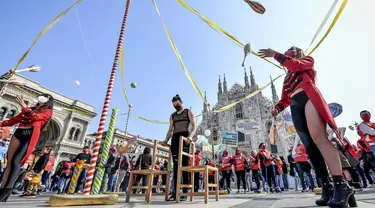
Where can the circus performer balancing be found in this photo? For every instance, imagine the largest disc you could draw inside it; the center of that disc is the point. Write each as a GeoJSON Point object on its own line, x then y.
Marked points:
{"type": "Point", "coordinates": [32, 121]}
{"type": "Point", "coordinates": [310, 115]}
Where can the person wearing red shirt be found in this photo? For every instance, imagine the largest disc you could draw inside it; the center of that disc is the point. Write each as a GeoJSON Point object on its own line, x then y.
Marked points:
{"type": "Point", "coordinates": [239, 162]}
{"type": "Point", "coordinates": [366, 157]}
{"type": "Point", "coordinates": [279, 172]}
{"type": "Point", "coordinates": [267, 167]}
{"type": "Point", "coordinates": [225, 164]}
{"type": "Point", "coordinates": [303, 166]}
{"type": "Point", "coordinates": [367, 129]}
{"type": "Point", "coordinates": [311, 116]}
{"type": "Point", "coordinates": [255, 168]}
{"type": "Point", "coordinates": [197, 162]}
{"type": "Point", "coordinates": [32, 121]}
{"type": "Point", "coordinates": [211, 174]}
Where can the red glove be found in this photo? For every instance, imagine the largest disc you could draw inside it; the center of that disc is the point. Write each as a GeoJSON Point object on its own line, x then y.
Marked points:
{"type": "Point", "coordinates": [275, 112]}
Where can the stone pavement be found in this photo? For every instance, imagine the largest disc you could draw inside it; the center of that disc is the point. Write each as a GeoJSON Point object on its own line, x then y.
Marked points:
{"type": "Point", "coordinates": [290, 199]}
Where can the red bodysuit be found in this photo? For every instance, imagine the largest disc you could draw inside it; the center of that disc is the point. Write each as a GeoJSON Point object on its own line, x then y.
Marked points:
{"type": "Point", "coordinates": [28, 118]}
{"type": "Point", "coordinates": [301, 74]}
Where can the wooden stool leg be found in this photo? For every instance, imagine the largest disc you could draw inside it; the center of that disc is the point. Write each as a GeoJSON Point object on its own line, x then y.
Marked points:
{"type": "Point", "coordinates": [130, 187]}
{"type": "Point", "coordinates": [192, 184]}
{"type": "Point", "coordinates": [167, 184]}
{"type": "Point", "coordinates": [206, 188]}
{"type": "Point", "coordinates": [217, 185]}
{"type": "Point", "coordinates": [150, 185]}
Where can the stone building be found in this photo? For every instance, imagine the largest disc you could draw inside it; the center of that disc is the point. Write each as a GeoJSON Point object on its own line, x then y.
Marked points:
{"type": "Point", "coordinates": [68, 127]}
{"type": "Point", "coordinates": [252, 117]}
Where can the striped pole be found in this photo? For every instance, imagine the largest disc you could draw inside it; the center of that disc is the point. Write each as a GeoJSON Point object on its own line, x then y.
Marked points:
{"type": "Point", "coordinates": [103, 118]}
{"type": "Point", "coordinates": [104, 157]}
{"type": "Point", "coordinates": [119, 164]}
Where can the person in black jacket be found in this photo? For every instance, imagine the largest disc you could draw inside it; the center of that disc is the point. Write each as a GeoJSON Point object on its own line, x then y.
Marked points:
{"type": "Point", "coordinates": [292, 166]}
{"type": "Point", "coordinates": [124, 167]}
{"type": "Point", "coordinates": [143, 162]}
{"type": "Point", "coordinates": [109, 173]}
{"type": "Point", "coordinates": [86, 156]}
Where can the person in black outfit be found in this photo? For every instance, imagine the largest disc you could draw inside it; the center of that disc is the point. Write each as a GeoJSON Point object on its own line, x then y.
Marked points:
{"type": "Point", "coordinates": [86, 156]}
{"type": "Point", "coordinates": [144, 161]}
{"type": "Point", "coordinates": [109, 167]}
{"type": "Point", "coordinates": [123, 163]}
{"type": "Point", "coordinates": [179, 123]}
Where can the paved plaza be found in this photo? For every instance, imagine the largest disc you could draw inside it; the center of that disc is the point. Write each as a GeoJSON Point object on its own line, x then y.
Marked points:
{"type": "Point", "coordinates": [365, 199]}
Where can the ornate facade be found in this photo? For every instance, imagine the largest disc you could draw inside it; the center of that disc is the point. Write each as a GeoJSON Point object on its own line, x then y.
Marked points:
{"type": "Point", "coordinates": [251, 116]}
{"type": "Point", "coordinates": [69, 124]}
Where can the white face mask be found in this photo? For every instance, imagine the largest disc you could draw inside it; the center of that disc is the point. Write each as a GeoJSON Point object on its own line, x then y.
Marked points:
{"type": "Point", "coordinates": [42, 99]}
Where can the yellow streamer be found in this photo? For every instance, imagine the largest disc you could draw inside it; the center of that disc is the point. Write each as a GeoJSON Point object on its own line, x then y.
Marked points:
{"type": "Point", "coordinates": [179, 57]}
{"type": "Point", "coordinates": [44, 31]}
{"type": "Point", "coordinates": [221, 30]}
{"type": "Point", "coordinates": [152, 121]}
{"type": "Point", "coordinates": [342, 7]}
{"type": "Point", "coordinates": [225, 108]}
{"type": "Point", "coordinates": [122, 73]}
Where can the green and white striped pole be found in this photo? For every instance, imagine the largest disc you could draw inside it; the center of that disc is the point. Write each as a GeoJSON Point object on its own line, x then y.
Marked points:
{"type": "Point", "coordinates": [104, 157]}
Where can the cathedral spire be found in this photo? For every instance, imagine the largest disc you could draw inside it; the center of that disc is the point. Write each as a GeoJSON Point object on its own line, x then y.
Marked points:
{"type": "Point", "coordinates": [247, 85]}
{"type": "Point", "coordinates": [254, 86]}
{"type": "Point", "coordinates": [275, 98]}
{"type": "Point", "coordinates": [204, 104]}
{"type": "Point", "coordinates": [225, 86]}
{"type": "Point", "coordinates": [220, 89]}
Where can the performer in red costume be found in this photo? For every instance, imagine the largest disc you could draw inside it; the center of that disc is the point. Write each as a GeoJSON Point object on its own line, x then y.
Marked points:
{"type": "Point", "coordinates": [226, 169]}
{"type": "Point", "coordinates": [211, 174]}
{"type": "Point", "coordinates": [366, 157]}
{"type": "Point", "coordinates": [239, 162]}
{"type": "Point", "coordinates": [303, 166]}
{"type": "Point", "coordinates": [311, 115]}
{"type": "Point", "coordinates": [32, 121]}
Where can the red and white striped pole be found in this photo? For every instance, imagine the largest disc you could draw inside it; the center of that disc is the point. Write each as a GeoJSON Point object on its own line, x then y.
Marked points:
{"type": "Point", "coordinates": [103, 118]}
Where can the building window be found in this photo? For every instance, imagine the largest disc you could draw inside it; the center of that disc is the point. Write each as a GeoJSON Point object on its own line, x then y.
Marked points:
{"type": "Point", "coordinates": [71, 133]}
{"type": "Point", "coordinates": [11, 113]}
{"type": "Point", "coordinates": [239, 113]}
{"type": "Point", "coordinates": [77, 134]}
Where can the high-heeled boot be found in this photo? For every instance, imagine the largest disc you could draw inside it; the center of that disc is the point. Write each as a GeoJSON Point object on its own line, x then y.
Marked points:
{"type": "Point", "coordinates": [327, 193]}
{"type": "Point", "coordinates": [342, 192]}
{"type": "Point", "coordinates": [4, 194]}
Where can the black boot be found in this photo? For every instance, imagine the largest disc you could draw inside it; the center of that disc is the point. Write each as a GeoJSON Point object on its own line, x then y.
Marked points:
{"type": "Point", "coordinates": [4, 194]}
{"type": "Point", "coordinates": [327, 193]}
{"type": "Point", "coordinates": [341, 194]}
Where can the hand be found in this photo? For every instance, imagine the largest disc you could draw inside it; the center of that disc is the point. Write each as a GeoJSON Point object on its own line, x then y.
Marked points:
{"type": "Point", "coordinates": [20, 101]}
{"type": "Point", "coordinates": [274, 112]}
{"type": "Point", "coordinates": [189, 140]}
{"type": "Point", "coordinates": [263, 53]}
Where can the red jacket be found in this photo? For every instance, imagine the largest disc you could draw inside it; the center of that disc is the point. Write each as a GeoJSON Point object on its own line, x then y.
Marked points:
{"type": "Point", "coordinates": [254, 163]}
{"type": "Point", "coordinates": [279, 165]}
{"type": "Point", "coordinates": [263, 155]}
{"type": "Point", "coordinates": [197, 159]}
{"type": "Point", "coordinates": [301, 155]}
{"type": "Point", "coordinates": [225, 161]}
{"type": "Point", "coordinates": [50, 164]}
{"type": "Point", "coordinates": [211, 173]}
{"type": "Point", "coordinates": [37, 120]}
{"type": "Point", "coordinates": [363, 145]}
{"type": "Point", "coordinates": [239, 162]}
{"type": "Point", "coordinates": [301, 74]}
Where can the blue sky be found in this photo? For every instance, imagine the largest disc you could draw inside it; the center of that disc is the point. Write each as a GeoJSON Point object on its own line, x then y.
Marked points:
{"type": "Point", "coordinates": [344, 61]}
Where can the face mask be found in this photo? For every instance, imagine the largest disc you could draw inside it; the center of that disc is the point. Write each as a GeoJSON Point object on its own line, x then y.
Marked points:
{"type": "Point", "coordinates": [111, 153]}
{"type": "Point", "coordinates": [366, 117]}
{"type": "Point", "coordinates": [178, 107]}
{"type": "Point", "coordinates": [291, 53]}
{"type": "Point", "coordinates": [263, 147]}
{"type": "Point", "coordinates": [42, 99]}
{"type": "Point", "coordinates": [86, 151]}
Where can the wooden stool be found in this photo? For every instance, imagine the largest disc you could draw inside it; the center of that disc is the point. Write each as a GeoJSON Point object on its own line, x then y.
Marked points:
{"type": "Point", "coordinates": [151, 173]}
{"type": "Point", "coordinates": [192, 169]}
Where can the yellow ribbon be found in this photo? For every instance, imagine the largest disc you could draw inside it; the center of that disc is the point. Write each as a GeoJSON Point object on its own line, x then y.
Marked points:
{"type": "Point", "coordinates": [152, 121]}
{"type": "Point", "coordinates": [225, 108]}
{"type": "Point", "coordinates": [179, 57]}
{"type": "Point", "coordinates": [342, 7]}
{"type": "Point", "coordinates": [221, 30]}
{"type": "Point", "coordinates": [44, 31]}
{"type": "Point", "coordinates": [122, 73]}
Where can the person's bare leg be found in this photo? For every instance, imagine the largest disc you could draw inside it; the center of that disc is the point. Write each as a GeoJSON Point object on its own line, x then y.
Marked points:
{"type": "Point", "coordinates": [13, 146]}
{"type": "Point", "coordinates": [318, 132]}
{"type": "Point", "coordinates": [347, 175]}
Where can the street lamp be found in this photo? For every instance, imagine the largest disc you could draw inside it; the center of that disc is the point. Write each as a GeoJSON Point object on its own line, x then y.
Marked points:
{"type": "Point", "coordinates": [7, 79]}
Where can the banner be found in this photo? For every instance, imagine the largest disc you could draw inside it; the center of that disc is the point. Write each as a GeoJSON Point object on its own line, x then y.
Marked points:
{"type": "Point", "coordinates": [228, 138]}
{"type": "Point", "coordinates": [247, 126]}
